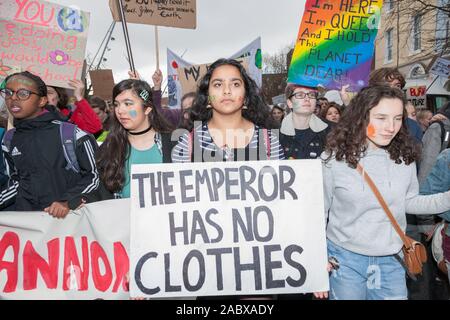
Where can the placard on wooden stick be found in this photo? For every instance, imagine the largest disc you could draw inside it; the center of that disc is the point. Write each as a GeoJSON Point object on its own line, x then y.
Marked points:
{"type": "Point", "coordinates": [44, 38]}
{"type": "Point", "coordinates": [103, 83]}
{"type": "Point", "coordinates": [182, 14]}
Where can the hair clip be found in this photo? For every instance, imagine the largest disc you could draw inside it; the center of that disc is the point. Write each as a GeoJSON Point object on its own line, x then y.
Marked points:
{"type": "Point", "coordinates": [144, 95]}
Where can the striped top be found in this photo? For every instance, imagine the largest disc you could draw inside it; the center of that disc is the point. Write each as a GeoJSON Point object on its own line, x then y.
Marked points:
{"type": "Point", "coordinates": [183, 151]}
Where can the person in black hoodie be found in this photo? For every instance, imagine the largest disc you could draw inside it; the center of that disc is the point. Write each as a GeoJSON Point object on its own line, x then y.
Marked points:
{"type": "Point", "coordinates": [39, 177]}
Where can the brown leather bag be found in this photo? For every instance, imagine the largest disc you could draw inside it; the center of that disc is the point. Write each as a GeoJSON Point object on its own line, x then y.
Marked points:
{"type": "Point", "coordinates": [414, 253]}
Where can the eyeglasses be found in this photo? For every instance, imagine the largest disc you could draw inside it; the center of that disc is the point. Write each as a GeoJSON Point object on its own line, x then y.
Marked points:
{"type": "Point", "coordinates": [302, 95]}
{"type": "Point", "coordinates": [21, 94]}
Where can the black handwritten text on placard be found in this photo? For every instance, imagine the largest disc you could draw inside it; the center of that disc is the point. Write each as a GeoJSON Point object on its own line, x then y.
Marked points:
{"type": "Point", "coordinates": [252, 225]}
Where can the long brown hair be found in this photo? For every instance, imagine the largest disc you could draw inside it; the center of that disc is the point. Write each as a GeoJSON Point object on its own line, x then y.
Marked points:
{"type": "Point", "coordinates": [115, 150]}
{"type": "Point", "coordinates": [348, 140]}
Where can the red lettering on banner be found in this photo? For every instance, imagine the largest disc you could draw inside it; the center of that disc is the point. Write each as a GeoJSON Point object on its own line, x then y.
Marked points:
{"type": "Point", "coordinates": [122, 265]}
{"type": "Point", "coordinates": [32, 262]}
{"type": "Point", "coordinates": [74, 276]}
{"type": "Point", "coordinates": [29, 11]}
{"type": "Point", "coordinates": [101, 282]}
{"type": "Point", "coordinates": [71, 261]}
{"type": "Point", "coordinates": [10, 239]}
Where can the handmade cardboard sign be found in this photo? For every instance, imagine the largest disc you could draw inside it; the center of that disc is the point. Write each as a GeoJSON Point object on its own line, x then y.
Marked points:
{"type": "Point", "coordinates": [227, 228]}
{"type": "Point", "coordinates": [441, 67]}
{"type": "Point", "coordinates": [103, 83]}
{"type": "Point", "coordinates": [417, 96]}
{"type": "Point", "coordinates": [335, 43]}
{"type": "Point", "coordinates": [179, 14]}
{"type": "Point", "coordinates": [44, 38]}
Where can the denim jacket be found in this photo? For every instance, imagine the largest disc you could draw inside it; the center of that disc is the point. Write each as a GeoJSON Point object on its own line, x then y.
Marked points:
{"type": "Point", "coordinates": [438, 180]}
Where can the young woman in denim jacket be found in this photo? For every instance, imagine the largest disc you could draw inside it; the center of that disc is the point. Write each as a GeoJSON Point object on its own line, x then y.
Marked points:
{"type": "Point", "coordinates": [439, 181]}
{"type": "Point", "coordinates": [363, 246]}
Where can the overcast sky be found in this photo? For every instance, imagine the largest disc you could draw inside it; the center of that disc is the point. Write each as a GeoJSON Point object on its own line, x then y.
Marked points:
{"type": "Point", "coordinates": [223, 27]}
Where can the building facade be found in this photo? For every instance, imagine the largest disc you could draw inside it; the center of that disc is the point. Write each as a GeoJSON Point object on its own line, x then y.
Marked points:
{"type": "Point", "coordinates": [412, 35]}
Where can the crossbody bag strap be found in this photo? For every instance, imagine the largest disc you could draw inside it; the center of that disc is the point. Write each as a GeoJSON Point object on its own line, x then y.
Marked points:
{"type": "Point", "coordinates": [383, 205]}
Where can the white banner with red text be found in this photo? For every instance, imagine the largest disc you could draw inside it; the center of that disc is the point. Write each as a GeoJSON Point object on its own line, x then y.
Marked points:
{"type": "Point", "coordinates": [81, 257]}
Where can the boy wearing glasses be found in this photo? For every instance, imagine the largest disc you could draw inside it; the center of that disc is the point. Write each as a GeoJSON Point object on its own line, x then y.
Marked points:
{"type": "Point", "coordinates": [40, 179]}
{"type": "Point", "coordinates": [302, 133]}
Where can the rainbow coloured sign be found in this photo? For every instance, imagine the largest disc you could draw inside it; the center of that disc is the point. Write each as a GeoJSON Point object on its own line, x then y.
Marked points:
{"type": "Point", "coordinates": [44, 38]}
{"type": "Point", "coordinates": [335, 43]}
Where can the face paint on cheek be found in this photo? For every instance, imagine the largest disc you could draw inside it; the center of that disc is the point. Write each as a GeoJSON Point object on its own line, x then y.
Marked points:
{"type": "Point", "coordinates": [296, 104]}
{"type": "Point", "coordinates": [370, 131]}
{"type": "Point", "coordinates": [23, 81]}
{"type": "Point", "coordinates": [132, 113]}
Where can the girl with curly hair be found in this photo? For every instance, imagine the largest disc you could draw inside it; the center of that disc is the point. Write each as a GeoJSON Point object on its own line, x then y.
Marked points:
{"type": "Point", "coordinates": [230, 119]}
{"type": "Point", "coordinates": [363, 246]}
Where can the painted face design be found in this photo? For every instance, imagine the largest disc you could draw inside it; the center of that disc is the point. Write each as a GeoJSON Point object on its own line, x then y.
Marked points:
{"type": "Point", "coordinates": [131, 112]}
{"type": "Point", "coordinates": [305, 105]}
{"type": "Point", "coordinates": [28, 108]}
{"type": "Point", "coordinates": [385, 122]}
{"type": "Point", "coordinates": [226, 90]}
{"type": "Point", "coordinates": [371, 131]}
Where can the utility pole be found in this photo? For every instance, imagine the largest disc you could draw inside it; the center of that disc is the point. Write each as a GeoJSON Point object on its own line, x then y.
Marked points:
{"type": "Point", "coordinates": [109, 37]}
{"type": "Point", "coordinates": [106, 46]}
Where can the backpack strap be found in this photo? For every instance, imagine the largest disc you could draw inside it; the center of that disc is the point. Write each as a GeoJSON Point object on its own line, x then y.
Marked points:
{"type": "Point", "coordinates": [190, 144]}
{"type": "Point", "coordinates": [8, 138]}
{"type": "Point", "coordinates": [267, 142]}
{"type": "Point", "coordinates": [167, 145]}
{"type": "Point", "coordinates": [264, 143]}
{"type": "Point", "coordinates": [67, 132]}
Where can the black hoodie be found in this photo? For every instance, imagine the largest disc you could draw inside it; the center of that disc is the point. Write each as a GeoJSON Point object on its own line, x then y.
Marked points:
{"type": "Point", "coordinates": [36, 165]}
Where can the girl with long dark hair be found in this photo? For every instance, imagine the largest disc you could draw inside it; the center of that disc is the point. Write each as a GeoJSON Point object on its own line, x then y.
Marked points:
{"type": "Point", "coordinates": [232, 119]}
{"type": "Point", "coordinates": [137, 135]}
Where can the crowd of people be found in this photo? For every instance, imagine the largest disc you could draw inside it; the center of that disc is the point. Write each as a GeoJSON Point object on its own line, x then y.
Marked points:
{"type": "Point", "coordinates": [228, 120]}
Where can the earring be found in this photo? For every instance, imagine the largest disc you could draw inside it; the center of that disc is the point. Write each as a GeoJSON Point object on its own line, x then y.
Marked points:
{"type": "Point", "coordinates": [209, 103]}
{"type": "Point", "coordinates": [245, 104]}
